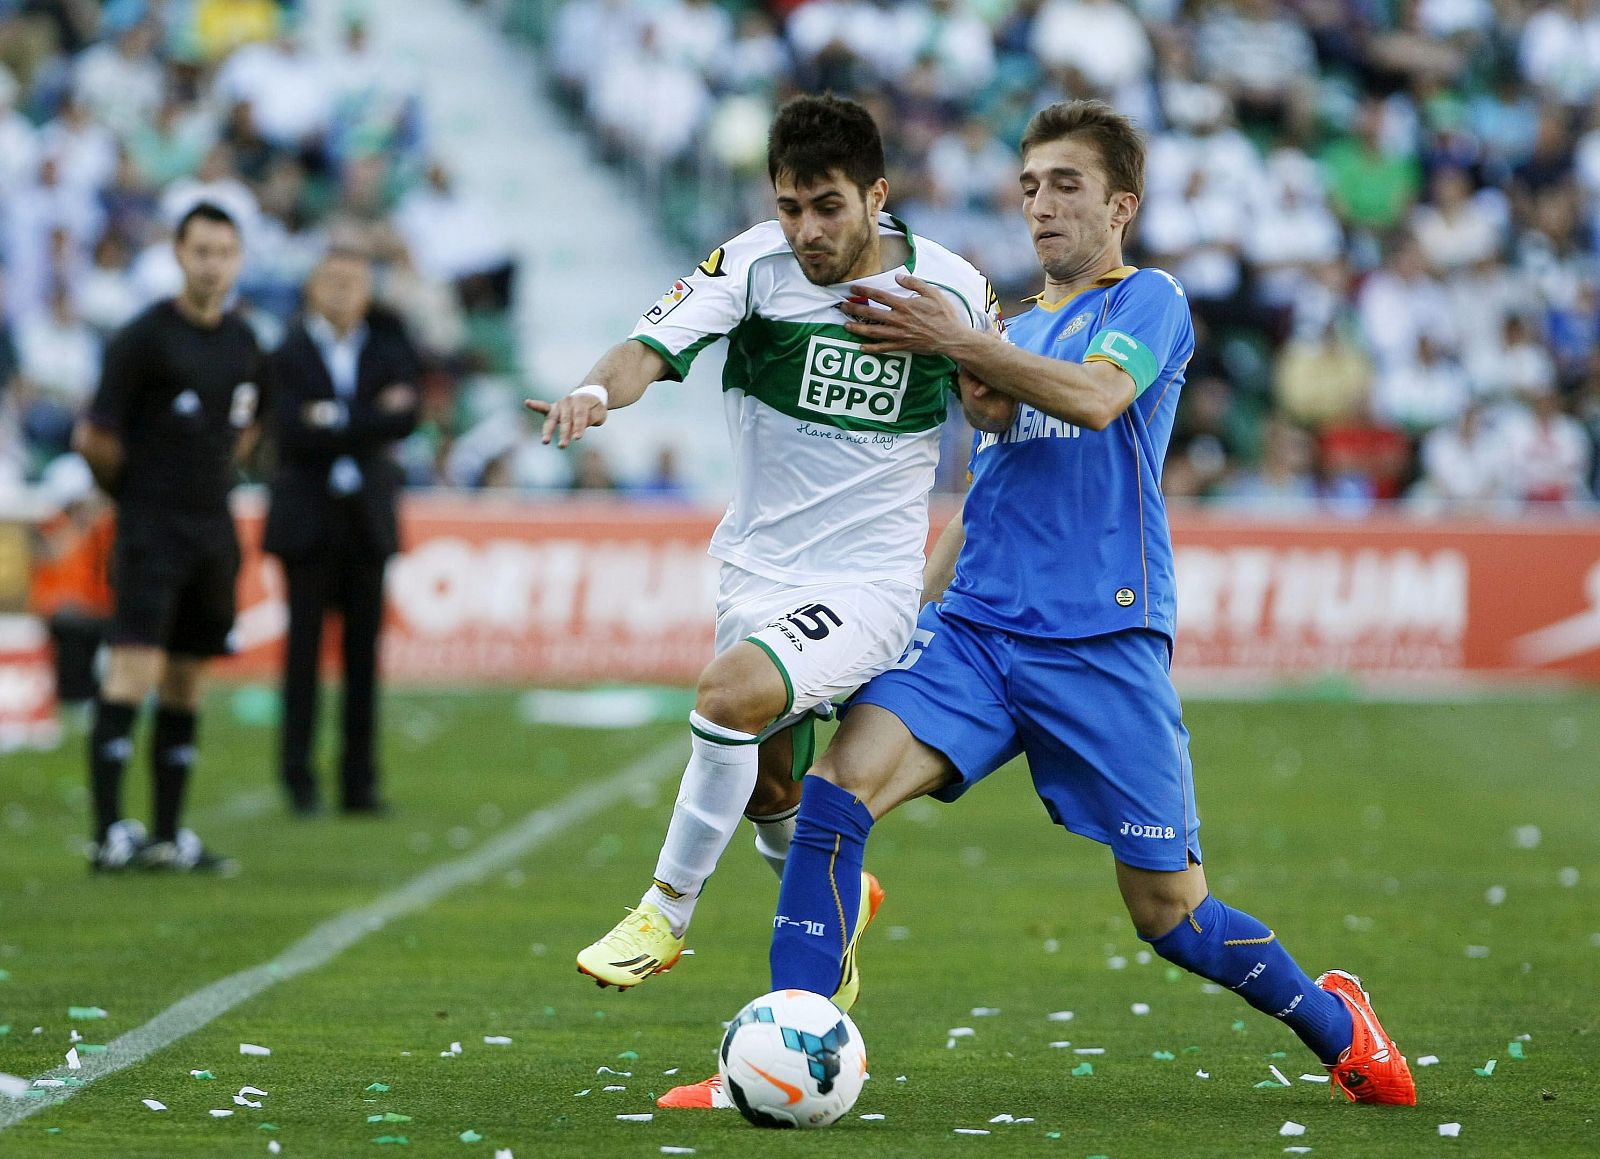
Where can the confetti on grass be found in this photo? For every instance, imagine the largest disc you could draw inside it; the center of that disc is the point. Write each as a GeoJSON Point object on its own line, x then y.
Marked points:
{"type": "Point", "coordinates": [1292, 1128]}
{"type": "Point", "coordinates": [470, 1136]}
{"type": "Point", "coordinates": [1449, 1130]}
{"type": "Point", "coordinates": [1279, 1075]}
{"type": "Point", "coordinates": [496, 1040]}
{"type": "Point", "coordinates": [1163, 1056]}
{"type": "Point", "coordinates": [201, 1075]}
{"type": "Point", "coordinates": [634, 1118]}
{"type": "Point", "coordinates": [392, 1140]}
{"type": "Point", "coordinates": [677, 1150]}
{"type": "Point", "coordinates": [1060, 1016]}
{"type": "Point", "coordinates": [221, 1113]}
{"type": "Point", "coordinates": [970, 1131]}
{"type": "Point", "coordinates": [154, 1104]}
{"type": "Point", "coordinates": [1313, 1078]}
{"type": "Point", "coordinates": [872, 1118]}
{"type": "Point", "coordinates": [85, 1013]}
{"type": "Point", "coordinates": [1514, 1049]}
{"type": "Point", "coordinates": [1083, 1068]}
{"type": "Point", "coordinates": [1428, 1060]}
{"type": "Point", "coordinates": [253, 1050]}
{"type": "Point", "coordinates": [1486, 1069]}
{"type": "Point", "coordinates": [380, 1088]}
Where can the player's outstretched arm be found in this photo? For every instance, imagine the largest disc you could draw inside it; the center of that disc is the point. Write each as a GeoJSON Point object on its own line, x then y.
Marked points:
{"type": "Point", "coordinates": [1089, 394]}
{"type": "Point", "coordinates": [941, 566]}
{"type": "Point", "coordinates": [619, 379]}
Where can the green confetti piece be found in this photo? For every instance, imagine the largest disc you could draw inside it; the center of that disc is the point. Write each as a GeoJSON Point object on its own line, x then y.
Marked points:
{"type": "Point", "coordinates": [73, 1081]}
{"type": "Point", "coordinates": [85, 1013]}
{"type": "Point", "coordinates": [379, 1087]}
{"type": "Point", "coordinates": [1164, 1055]}
{"type": "Point", "coordinates": [396, 1140]}
{"type": "Point", "coordinates": [470, 1137]}
{"type": "Point", "coordinates": [1238, 1026]}
{"type": "Point", "coordinates": [1514, 1049]}
{"type": "Point", "coordinates": [374, 1118]}
{"type": "Point", "coordinates": [1191, 1050]}
{"type": "Point", "coordinates": [599, 1013]}
{"type": "Point", "coordinates": [1486, 1069]}
{"type": "Point", "coordinates": [91, 1048]}
{"type": "Point", "coordinates": [36, 1093]}
{"type": "Point", "coordinates": [5, 1029]}
{"type": "Point", "coordinates": [266, 1126]}
{"type": "Point", "coordinates": [1174, 974]}
{"type": "Point", "coordinates": [5, 975]}
{"type": "Point", "coordinates": [1052, 1134]}
{"type": "Point", "coordinates": [1278, 1054]}
{"type": "Point", "coordinates": [630, 1055]}
{"type": "Point", "coordinates": [549, 1011]}
{"type": "Point", "coordinates": [204, 1075]}
{"type": "Point", "coordinates": [1083, 1068]}
{"type": "Point", "coordinates": [1272, 1083]}
{"type": "Point", "coordinates": [395, 1117]}
{"type": "Point", "coordinates": [52, 1130]}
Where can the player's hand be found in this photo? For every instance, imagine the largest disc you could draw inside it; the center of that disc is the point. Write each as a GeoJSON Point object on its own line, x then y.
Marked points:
{"type": "Point", "coordinates": [921, 322]}
{"type": "Point", "coordinates": [987, 409]}
{"type": "Point", "coordinates": [397, 397]}
{"type": "Point", "coordinates": [567, 418]}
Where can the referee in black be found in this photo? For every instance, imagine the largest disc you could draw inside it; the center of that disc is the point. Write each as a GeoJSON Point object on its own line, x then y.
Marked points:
{"type": "Point", "coordinates": [176, 409]}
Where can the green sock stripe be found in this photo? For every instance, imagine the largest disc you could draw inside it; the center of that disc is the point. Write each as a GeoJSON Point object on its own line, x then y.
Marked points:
{"type": "Point", "coordinates": [715, 739]}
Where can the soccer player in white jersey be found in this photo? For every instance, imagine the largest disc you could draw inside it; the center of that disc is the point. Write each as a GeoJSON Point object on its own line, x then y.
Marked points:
{"type": "Point", "coordinates": [822, 544]}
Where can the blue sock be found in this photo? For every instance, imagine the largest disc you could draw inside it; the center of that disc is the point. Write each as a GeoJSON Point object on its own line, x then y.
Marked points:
{"type": "Point", "coordinates": [821, 889]}
{"type": "Point", "coordinates": [1233, 949]}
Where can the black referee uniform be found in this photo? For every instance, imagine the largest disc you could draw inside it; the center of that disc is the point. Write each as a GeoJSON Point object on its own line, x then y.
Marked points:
{"type": "Point", "coordinates": [178, 395]}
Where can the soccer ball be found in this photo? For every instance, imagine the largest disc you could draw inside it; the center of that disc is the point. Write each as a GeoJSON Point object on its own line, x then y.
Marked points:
{"type": "Point", "coordinates": [793, 1059]}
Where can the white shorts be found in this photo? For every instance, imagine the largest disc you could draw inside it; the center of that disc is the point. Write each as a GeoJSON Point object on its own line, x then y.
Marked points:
{"type": "Point", "coordinates": [826, 639]}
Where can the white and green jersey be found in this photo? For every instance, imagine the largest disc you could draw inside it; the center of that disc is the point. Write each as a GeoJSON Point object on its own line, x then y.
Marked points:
{"type": "Point", "coordinates": [834, 450]}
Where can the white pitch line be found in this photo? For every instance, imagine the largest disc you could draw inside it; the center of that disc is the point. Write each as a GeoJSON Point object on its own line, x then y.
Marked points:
{"type": "Point", "coordinates": [339, 933]}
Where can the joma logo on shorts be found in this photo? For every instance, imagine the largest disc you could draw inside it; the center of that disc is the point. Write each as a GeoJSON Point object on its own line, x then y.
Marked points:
{"type": "Point", "coordinates": [1129, 829]}
{"type": "Point", "coordinates": [840, 380]}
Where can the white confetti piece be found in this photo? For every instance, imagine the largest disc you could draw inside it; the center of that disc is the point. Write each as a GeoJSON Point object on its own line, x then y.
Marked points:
{"type": "Point", "coordinates": [72, 1059]}
{"type": "Point", "coordinates": [1297, 1150]}
{"type": "Point", "coordinates": [1210, 988]}
{"type": "Point", "coordinates": [504, 1153]}
{"type": "Point", "coordinates": [1292, 1128]}
{"type": "Point", "coordinates": [496, 1040]}
{"type": "Point", "coordinates": [1449, 1130]}
{"type": "Point", "coordinates": [1524, 1038]}
{"type": "Point", "coordinates": [970, 1131]}
{"type": "Point", "coordinates": [1568, 877]}
{"type": "Point", "coordinates": [1002, 1118]}
{"type": "Point", "coordinates": [194, 1074]}
{"type": "Point", "coordinates": [1059, 1045]}
{"type": "Point", "coordinates": [1428, 1060]}
{"type": "Point", "coordinates": [1140, 1008]}
{"type": "Point", "coordinates": [961, 1032]}
{"type": "Point", "coordinates": [688, 953]}
{"type": "Point", "coordinates": [872, 1118]}
{"type": "Point", "coordinates": [1025, 1119]}
{"type": "Point", "coordinates": [614, 1088]}
{"type": "Point", "coordinates": [627, 1074]}
{"type": "Point", "coordinates": [1202, 1074]}
{"type": "Point", "coordinates": [50, 1083]}
{"type": "Point", "coordinates": [634, 1118]}
{"type": "Point", "coordinates": [455, 1048]}
{"type": "Point", "coordinates": [154, 1104]}
{"type": "Point", "coordinates": [1060, 1016]}
{"type": "Point", "coordinates": [1313, 1078]}
{"type": "Point", "coordinates": [1278, 1074]}
{"type": "Point", "coordinates": [1142, 957]}
{"type": "Point", "coordinates": [251, 1091]}
{"type": "Point", "coordinates": [1089, 1050]}
{"type": "Point", "coordinates": [949, 1044]}
{"type": "Point", "coordinates": [220, 1113]}
{"type": "Point", "coordinates": [899, 1078]}
{"type": "Point", "coordinates": [40, 1029]}
{"type": "Point", "coordinates": [241, 1101]}
{"type": "Point", "coordinates": [1051, 946]}
{"type": "Point", "coordinates": [583, 1092]}
{"type": "Point", "coordinates": [677, 1150]}
{"type": "Point", "coordinates": [673, 1071]}
{"type": "Point", "coordinates": [13, 1087]}
{"type": "Point", "coordinates": [1116, 962]}
{"type": "Point", "coordinates": [273, 1146]}
{"type": "Point", "coordinates": [74, 1037]}
{"type": "Point", "coordinates": [1495, 894]}
{"type": "Point", "coordinates": [985, 1011]}
{"type": "Point", "coordinates": [1477, 951]}
{"type": "Point", "coordinates": [445, 1054]}
{"type": "Point", "coordinates": [1526, 836]}
{"type": "Point", "coordinates": [251, 1048]}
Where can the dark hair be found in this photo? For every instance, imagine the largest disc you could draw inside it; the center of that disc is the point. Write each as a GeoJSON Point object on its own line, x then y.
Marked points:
{"type": "Point", "coordinates": [1118, 139]}
{"type": "Point", "coordinates": [206, 211]}
{"type": "Point", "coordinates": [812, 136]}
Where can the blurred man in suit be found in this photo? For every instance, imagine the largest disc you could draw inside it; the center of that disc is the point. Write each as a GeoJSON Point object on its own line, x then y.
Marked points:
{"type": "Point", "coordinates": [345, 392]}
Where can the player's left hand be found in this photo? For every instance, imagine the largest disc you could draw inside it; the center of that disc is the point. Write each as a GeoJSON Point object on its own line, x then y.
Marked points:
{"type": "Point", "coordinates": [921, 322]}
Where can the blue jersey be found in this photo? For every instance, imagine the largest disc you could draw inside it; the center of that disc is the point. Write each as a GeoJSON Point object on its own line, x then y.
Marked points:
{"type": "Point", "coordinates": [1066, 527]}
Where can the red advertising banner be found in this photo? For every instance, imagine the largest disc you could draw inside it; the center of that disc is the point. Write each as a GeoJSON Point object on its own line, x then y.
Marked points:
{"type": "Point", "coordinates": [533, 591]}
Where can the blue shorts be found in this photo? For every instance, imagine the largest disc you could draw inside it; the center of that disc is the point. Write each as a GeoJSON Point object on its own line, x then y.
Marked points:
{"type": "Point", "coordinates": [1097, 718]}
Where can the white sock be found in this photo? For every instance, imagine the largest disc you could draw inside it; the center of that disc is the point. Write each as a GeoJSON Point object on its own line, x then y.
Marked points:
{"type": "Point", "coordinates": [716, 788]}
{"type": "Point", "coordinates": [773, 835]}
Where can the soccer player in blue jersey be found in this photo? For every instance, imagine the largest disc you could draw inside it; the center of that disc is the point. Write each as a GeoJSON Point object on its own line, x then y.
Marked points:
{"type": "Point", "coordinates": [1049, 631]}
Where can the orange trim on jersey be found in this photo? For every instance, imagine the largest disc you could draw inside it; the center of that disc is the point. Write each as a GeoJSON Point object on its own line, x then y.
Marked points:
{"type": "Point", "coordinates": [1109, 278]}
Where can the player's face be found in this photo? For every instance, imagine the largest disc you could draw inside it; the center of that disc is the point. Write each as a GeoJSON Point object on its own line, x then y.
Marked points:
{"type": "Point", "coordinates": [831, 225]}
{"type": "Point", "coordinates": [209, 254]}
{"type": "Point", "coordinates": [1072, 212]}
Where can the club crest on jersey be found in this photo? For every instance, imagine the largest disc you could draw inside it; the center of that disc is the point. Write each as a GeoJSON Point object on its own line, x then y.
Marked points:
{"type": "Point", "coordinates": [840, 380]}
{"type": "Point", "coordinates": [669, 301]}
{"type": "Point", "coordinates": [1075, 326]}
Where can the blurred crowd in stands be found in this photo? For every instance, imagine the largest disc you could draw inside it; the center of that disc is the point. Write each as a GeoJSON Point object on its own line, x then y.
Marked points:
{"type": "Point", "coordinates": [1386, 212]}
{"type": "Point", "coordinates": [116, 116]}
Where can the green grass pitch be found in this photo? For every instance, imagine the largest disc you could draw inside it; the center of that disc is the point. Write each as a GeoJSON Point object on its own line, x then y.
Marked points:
{"type": "Point", "coordinates": [1446, 853]}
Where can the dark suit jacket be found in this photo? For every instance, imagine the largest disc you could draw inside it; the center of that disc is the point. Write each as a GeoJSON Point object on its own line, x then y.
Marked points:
{"type": "Point", "coordinates": [297, 522]}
